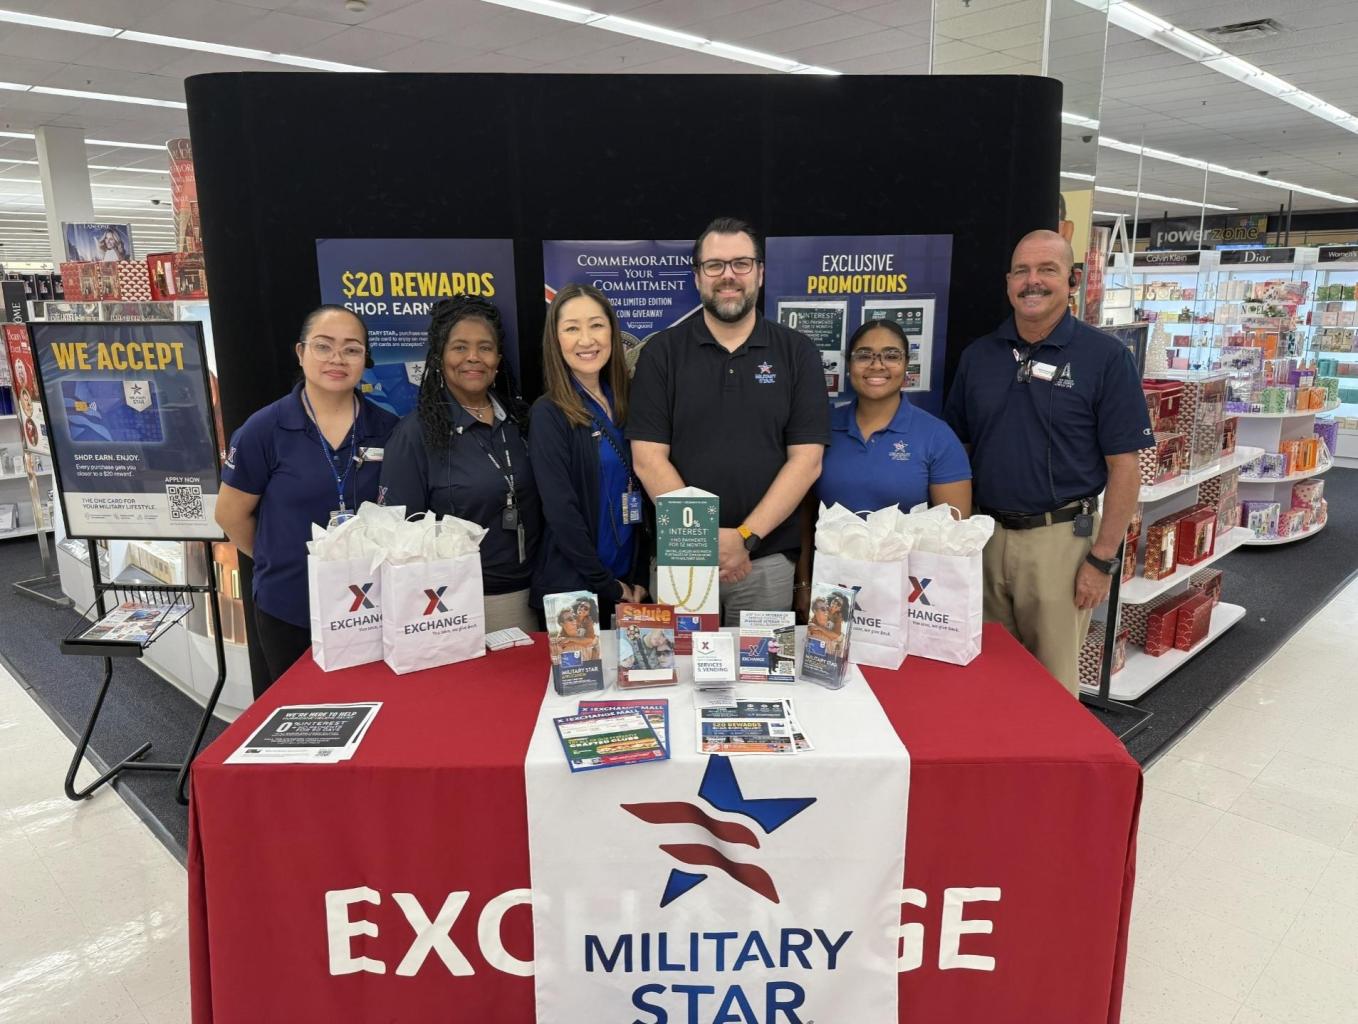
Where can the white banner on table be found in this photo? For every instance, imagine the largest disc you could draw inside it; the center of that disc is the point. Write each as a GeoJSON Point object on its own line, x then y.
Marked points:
{"type": "Point", "coordinates": [714, 888]}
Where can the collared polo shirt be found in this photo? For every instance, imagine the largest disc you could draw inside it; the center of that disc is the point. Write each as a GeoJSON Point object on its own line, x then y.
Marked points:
{"type": "Point", "coordinates": [895, 466]}
{"type": "Point", "coordinates": [277, 454]}
{"type": "Point", "coordinates": [1039, 444]}
{"type": "Point", "coordinates": [463, 480]}
{"type": "Point", "coordinates": [729, 417]}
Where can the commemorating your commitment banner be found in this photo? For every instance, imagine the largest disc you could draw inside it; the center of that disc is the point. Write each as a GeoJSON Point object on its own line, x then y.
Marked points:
{"type": "Point", "coordinates": [393, 283]}
{"type": "Point", "coordinates": [129, 416]}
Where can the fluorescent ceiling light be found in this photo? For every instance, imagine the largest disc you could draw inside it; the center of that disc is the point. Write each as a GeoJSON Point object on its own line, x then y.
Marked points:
{"type": "Point", "coordinates": [1171, 37]}
{"type": "Point", "coordinates": [111, 97]}
{"type": "Point", "coordinates": [660, 34]}
{"type": "Point", "coordinates": [1229, 172]}
{"type": "Point", "coordinates": [1107, 213]}
{"type": "Point", "coordinates": [58, 24]}
{"type": "Point", "coordinates": [1079, 121]}
{"type": "Point", "coordinates": [1160, 198]}
{"type": "Point", "coordinates": [126, 145]}
{"type": "Point", "coordinates": [1077, 176]}
{"type": "Point", "coordinates": [93, 184]}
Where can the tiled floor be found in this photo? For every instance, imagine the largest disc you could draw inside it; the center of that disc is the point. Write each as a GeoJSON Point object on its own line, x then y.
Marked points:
{"type": "Point", "coordinates": [1247, 894]}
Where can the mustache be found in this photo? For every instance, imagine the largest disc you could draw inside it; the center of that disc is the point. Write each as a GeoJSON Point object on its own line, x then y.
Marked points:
{"type": "Point", "coordinates": [1034, 289]}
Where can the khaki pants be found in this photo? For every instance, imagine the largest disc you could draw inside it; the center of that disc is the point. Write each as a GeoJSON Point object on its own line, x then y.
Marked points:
{"type": "Point", "coordinates": [1029, 583]}
{"type": "Point", "coordinates": [512, 609]}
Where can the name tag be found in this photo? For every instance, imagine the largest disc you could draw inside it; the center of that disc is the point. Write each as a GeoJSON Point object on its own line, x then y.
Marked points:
{"type": "Point", "coordinates": [371, 454]}
{"type": "Point", "coordinates": [1044, 371]}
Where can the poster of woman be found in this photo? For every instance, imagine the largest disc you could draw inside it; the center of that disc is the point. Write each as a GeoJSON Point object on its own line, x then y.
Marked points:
{"type": "Point", "coordinates": [98, 243]}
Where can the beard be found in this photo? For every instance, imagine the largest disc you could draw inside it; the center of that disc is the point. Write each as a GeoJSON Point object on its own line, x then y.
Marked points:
{"type": "Point", "coordinates": [730, 311]}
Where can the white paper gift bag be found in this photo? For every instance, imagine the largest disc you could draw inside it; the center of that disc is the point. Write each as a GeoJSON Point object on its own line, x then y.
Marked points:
{"type": "Point", "coordinates": [346, 612]}
{"type": "Point", "coordinates": [945, 606]}
{"type": "Point", "coordinates": [880, 623]}
{"type": "Point", "coordinates": [433, 613]}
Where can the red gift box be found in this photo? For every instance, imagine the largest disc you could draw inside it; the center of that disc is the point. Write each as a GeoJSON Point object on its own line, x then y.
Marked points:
{"type": "Point", "coordinates": [1194, 618]}
{"type": "Point", "coordinates": [1230, 426]}
{"type": "Point", "coordinates": [1196, 537]}
{"type": "Point", "coordinates": [1162, 622]}
{"type": "Point", "coordinates": [1207, 581]}
{"type": "Point", "coordinates": [1162, 461]}
{"type": "Point", "coordinates": [1129, 557]}
{"type": "Point", "coordinates": [1161, 540]}
{"type": "Point", "coordinates": [1170, 393]}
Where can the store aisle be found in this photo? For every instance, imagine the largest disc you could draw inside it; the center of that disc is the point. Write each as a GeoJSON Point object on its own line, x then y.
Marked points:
{"type": "Point", "coordinates": [92, 905]}
{"type": "Point", "coordinates": [1246, 907]}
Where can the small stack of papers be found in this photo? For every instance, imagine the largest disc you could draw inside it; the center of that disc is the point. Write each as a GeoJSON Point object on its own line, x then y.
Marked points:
{"type": "Point", "coordinates": [502, 639]}
{"type": "Point", "coordinates": [610, 733]}
{"type": "Point", "coordinates": [308, 734]}
{"type": "Point", "coordinates": [729, 726]}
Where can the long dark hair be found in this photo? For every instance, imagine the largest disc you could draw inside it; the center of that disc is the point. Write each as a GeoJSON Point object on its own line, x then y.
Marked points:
{"type": "Point", "coordinates": [557, 379]}
{"type": "Point", "coordinates": [436, 422]}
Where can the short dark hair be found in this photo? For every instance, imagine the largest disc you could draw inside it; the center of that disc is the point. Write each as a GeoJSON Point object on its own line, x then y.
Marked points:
{"type": "Point", "coordinates": [728, 226]}
{"type": "Point", "coordinates": [872, 325]}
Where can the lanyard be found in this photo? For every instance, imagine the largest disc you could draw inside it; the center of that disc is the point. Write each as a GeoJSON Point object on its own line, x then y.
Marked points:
{"type": "Point", "coordinates": [507, 470]}
{"type": "Point", "coordinates": [331, 456]}
{"type": "Point", "coordinates": [624, 500]}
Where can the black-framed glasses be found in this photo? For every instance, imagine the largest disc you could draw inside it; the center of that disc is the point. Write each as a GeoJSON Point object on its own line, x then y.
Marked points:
{"type": "Point", "coordinates": [740, 266]}
{"type": "Point", "coordinates": [888, 356]}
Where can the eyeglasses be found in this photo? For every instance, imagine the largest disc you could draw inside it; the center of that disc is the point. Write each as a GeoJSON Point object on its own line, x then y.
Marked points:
{"type": "Point", "coordinates": [888, 356]}
{"type": "Point", "coordinates": [740, 266]}
{"type": "Point", "coordinates": [325, 351]}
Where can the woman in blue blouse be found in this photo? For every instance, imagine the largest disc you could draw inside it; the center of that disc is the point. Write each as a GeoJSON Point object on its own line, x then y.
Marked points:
{"type": "Point", "coordinates": [592, 521]}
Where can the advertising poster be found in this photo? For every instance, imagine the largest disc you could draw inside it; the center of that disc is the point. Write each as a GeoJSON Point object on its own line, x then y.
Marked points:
{"type": "Point", "coordinates": [393, 283]}
{"type": "Point", "coordinates": [32, 424]}
{"type": "Point", "coordinates": [129, 416]}
{"type": "Point", "coordinates": [826, 286]}
{"type": "Point", "coordinates": [650, 283]}
{"type": "Point", "coordinates": [98, 243]}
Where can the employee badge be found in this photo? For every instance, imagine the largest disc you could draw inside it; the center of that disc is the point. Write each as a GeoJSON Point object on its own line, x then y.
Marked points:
{"type": "Point", "coordinates": [340, 515]}
{"type": "Point", "coordinates": [631, 507]}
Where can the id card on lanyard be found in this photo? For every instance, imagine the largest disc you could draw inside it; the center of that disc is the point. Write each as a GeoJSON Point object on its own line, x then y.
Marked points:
{"type": "Point", "coordinates": [509, 515]}
{"type": "Point", "coordinates": [630, 498]}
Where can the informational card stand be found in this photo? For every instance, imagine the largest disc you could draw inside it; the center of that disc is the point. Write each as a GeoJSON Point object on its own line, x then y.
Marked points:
{"type": "Point", "coordinates": [129, 417]}
{"type": "Point", "coordinates": [686, 524]}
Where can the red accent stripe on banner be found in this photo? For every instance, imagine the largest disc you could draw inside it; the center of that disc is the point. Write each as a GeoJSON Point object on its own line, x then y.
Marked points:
{"type": "Point", "coordinates": [748, 875]}
{"type": "Point", "coordinates": [678, 813]}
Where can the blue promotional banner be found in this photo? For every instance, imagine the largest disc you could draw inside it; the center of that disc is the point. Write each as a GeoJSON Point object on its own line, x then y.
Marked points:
{"type": "Point", "coordinates": [826, 286]}
{"type": "Point", "coordinates": [129, 414]}
{"type": "Point", "coordinates": [650, 283]}
{"type": "Point", "coordinates": [393, 283]}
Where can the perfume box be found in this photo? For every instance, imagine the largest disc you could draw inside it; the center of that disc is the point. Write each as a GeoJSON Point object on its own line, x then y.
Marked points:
{"type": "Point", "coordinates": [1162, 461]}
{"type": "Point", "coordinates": [1162, 623]}
{"type": "Point", "coordinates": [1170, 393]}
{"type": "Point", "coordinates": [1197, 536]}
{"type": "Point", "coordinates": [1129, 556]}
{"type": "Point", "coordinates": [1260, 517]}
{"type": "Point", "coordinates": [1230, 427]}
{"type": "Point", "coordinates": [1222, 486]}
{"type": "Point", "coordinates": [1091, 655]}
{"type": "Point", "coordinates": [1192, 622]}
{"type": "Point", "coordinates": [1161, 538]}
{"type": "Point", "coordinates": [1207, 581]}
{"type": "Point", "coordinates": [1291, 522]}
{"type": "Point", "coordinates": [1306, 494]}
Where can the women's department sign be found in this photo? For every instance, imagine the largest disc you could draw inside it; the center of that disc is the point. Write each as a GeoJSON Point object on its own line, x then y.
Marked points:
{"type": "Point", "coordinates": [129, 416]}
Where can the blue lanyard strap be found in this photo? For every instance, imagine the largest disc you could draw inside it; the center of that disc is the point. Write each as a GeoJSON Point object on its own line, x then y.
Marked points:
{"type": "Point", "coordinates": [331, 456]}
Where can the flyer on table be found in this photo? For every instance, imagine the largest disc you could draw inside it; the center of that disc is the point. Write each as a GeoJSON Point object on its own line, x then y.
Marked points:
{"type": "Point", "coordinates": [827, 286]}
{"type": "Point", "coordinates": [129, 415]}
{"type": "Point", "coordinates": [393, 283]}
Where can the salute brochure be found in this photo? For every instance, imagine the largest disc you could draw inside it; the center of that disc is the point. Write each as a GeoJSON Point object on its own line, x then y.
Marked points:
{"type": "Point", "coordinates": [825, 658]}
{"type": "Point", "coordinates": [657, 712]}
{"type": "Point", "coordinates": [308, 733]}
{"type": "Point", "coordinates": [714, 660]}
{"type": "Point", "coordinates": [747, 727]}
{"type": "Point", "coordinates": [768, 647]}
{"type": "Point", "coordinates": [573, 637]}
{"type": "Point", "coordinates": [608, 740]}
{"type": "Point", "coordinates": [645, 645]}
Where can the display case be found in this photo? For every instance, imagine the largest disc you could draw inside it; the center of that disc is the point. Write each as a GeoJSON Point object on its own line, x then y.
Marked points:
{"type": "Point", "coordinates": [1169, 291]}
{"type": "Point", "coordinates": [1331, 335]}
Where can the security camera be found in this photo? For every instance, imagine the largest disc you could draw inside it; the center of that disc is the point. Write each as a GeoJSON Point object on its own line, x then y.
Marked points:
{"type": "Point", "coordinates": [1263, 174]}
{"type": "Point", "coordinates": [1086, 138]}
{"type": "Point", "coordinates": [155, 202]}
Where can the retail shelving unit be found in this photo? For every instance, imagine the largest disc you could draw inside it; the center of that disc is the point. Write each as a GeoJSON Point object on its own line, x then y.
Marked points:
{"type": "Point", "coordinates": [14, 489]}
{"type": "Point", "coordinates": [1268, 430]}
{"type": "Point", "coordinates": [1332, 338]}
{"type": "Point", "coordinates": [1171, 291]}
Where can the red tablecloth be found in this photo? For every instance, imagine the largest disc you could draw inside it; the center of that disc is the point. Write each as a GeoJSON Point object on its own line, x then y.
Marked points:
{"type": "Point", "coordinates": [1014, 786]}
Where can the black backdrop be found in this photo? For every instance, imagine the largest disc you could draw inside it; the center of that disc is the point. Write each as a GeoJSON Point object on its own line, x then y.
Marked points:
{"type": "Point", "coordinates": [283, 159]}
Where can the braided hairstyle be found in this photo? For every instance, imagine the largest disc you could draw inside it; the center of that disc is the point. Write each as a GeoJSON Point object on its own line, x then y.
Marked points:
{"type": "Point", "coordinates": [436, 423]}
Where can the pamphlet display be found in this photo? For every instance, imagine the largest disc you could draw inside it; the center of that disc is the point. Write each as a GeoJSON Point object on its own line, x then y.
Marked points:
{"type": "Point", "coordinates": [393, 283]}
{"type": "Point", "coordinates": [686, 525]}
{"type": "Point", "coordinates": [129, 411]}
{"type": "Point", "coordinates": [825, 656]}
{"type": "Point", "coordinates": [308, 734]}
{"type": "Point", "coordinates": [645, 645]}
{"type": "Point", "coordinates": [137, 622]}
{"type": "Point", "coordinates": [573, 637]}
{"type": "Point", "coordinates": [826, 286]}
{"type": "Point", "coordinates": [768, 647]}
{"type": "Point", "coordinates": [714, 660]}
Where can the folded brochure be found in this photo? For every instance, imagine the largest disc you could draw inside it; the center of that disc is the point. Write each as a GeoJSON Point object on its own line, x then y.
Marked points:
{"type": "Point", "coordinates": [749, 727]}
{"type": "Point", "coordinates": [611, 737]}
{"type": "Point", "coordinates": [308, 734]}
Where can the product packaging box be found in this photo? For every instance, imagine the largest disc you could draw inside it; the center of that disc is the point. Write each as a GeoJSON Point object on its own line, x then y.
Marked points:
{"type": "Point", "coordinates": [1192, 622]}
{"type": "Point", "coordinates": [1129, 556]}
{"type": "Point", "coordinates": [1260, 517]}
{"type": "Point", "coordinates": [645, 645]}
{"type": "Point", "coordinates": [1207, 581]}
{"type": "Point", "coordinates": [1328, 432]}
{"type": "Point", "coordinates": [1306, 494]}
{"type": "Point", "coordinates": [1291, 522]}
{"type": "Point", "coordinates": [1170, 394]}
{"type": "Point", "coordinates": [1223, 485]}
{"type": "Point", "coordinates": [1163, 461]}
{"type": "Point", "coordinates": [1162, 623]}
{"type": "Point", "coordinates": [1161, 539]}
{"type": "Point", "coordinates": [1228, 516]}
{"type": "Point", "coordinates": [1230, 427]}
{"type": "Point", "coordinates": [1091, 656]}
{"type": "Point", "coordinates": [1197, 536]}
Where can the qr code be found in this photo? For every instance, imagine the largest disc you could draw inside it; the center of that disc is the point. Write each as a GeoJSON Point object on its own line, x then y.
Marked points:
{"type": "Point", "coordinates": [186, 502]}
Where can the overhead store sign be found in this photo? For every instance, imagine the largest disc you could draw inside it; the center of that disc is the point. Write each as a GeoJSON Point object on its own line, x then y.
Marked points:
{"type": "Point", "coordinates": [1167, 259]}
{"type": "Point", "coordinates": [1179, 234]}
{"type": "Point", "coordinates": [1338, 253]}
{"type": "Point", "coordinates": [1239, 257]}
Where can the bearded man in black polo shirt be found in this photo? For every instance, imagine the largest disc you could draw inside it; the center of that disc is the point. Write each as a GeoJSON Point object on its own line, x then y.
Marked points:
{"type": "Point", "coordinates": [735, 405]}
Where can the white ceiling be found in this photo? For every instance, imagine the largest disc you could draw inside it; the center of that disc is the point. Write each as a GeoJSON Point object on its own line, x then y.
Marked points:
{"type": "Point", "coordinates": [1175, 104]}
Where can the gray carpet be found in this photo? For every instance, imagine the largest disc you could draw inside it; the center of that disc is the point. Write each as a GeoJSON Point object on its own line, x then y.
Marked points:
{"type": "Point", "coordinates": [140, 705]}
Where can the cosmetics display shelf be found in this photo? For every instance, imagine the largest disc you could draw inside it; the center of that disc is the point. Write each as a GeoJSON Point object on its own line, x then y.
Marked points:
{"type": "Point", "coordinates": [1151, 493]}
{"type": "Point", "coordinates": [1139, 590]}
{"type": "Point", "coordinates": [24, 476]}
{"type": "Point", "coordinates": [1290, 414]}
{"type": "Point", "coordinates": [1305, 474]}
{"type": "Point", "coordinates": [1270, 541]}
{"type": "Point", "coordinates": [1142, 671]}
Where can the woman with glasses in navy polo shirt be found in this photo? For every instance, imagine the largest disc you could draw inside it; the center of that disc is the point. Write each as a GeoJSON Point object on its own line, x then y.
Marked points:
{"type": "Point", "coordinates": [310, 457]}
{"type": "Point", "coordinates": [884, 451]}
{"type": "Point", "coordinates": [592, 524]}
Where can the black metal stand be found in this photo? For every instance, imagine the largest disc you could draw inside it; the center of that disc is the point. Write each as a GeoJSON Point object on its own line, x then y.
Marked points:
{"type": "Point", "coordinates": [110, 649]}
{"type": "Point", "coordinates": [1102, 700]}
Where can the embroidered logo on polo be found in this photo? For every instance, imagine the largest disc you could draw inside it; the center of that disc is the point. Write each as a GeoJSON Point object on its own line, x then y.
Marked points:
{"type": "Point", "coordinates": [765, 374]}
{"type": "Point", "coordinates": [719, 789]}
{"type": "Point", "coordinates": [231, 458]}
{"type": "Point", "coordinates": [435, 601]}
{"type": "Point", "coordinates": [920, 584]}
{"type": "Point", "coordinates": [900, 451]}
{"type": "Point", "coordinates": [1064, 379]}
{"type": "Point", "coordinates": [361, 599]}
{"type": "Point", "coordinates": [381, 494]}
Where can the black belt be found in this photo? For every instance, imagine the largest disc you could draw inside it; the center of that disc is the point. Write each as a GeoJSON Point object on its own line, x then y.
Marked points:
{"type": "Point", "coordinates": [1032, 520]}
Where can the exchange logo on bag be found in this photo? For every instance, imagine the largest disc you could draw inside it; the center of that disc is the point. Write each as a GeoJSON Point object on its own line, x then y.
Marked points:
{"type": "Point", "coordinates": [361, 599]}
{"type": "Point", "coordinates": [361, 602]}
{"type": "Point", "coordinates": [918, 593]}
{"type": "Point", "coordinates": [435, 601]}
{"type": "Point", "coordinates": [449, 624]}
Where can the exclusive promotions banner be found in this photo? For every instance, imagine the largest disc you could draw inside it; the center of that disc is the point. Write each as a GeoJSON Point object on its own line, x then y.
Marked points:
{"type": "Point", "coordinates": [650, 283]}
{"type": "Point", "coordinates": [826, 286]}
{"type": "Point", "coordinates": [393, 283]}
{"type": "Point", "coordinates": [129, 414]}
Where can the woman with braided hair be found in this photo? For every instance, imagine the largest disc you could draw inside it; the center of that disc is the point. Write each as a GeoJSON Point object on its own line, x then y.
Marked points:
{"type": "Point", "coordinates": [462, 452]}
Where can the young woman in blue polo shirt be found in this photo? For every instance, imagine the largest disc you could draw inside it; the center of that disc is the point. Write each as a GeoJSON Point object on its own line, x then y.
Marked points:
{"type": "Point", "coordinates": [580, 457]}
{"type": "Point", "coordinates": [462, 452]}
{"type": "Point", "coordinates": [312, 454]}
{"type": "Point", "coordinates": [884, 451]}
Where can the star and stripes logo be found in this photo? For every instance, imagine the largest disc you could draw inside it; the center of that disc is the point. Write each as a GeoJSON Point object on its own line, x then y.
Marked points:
{"type": "Point", "coordinates": [721, 791]}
